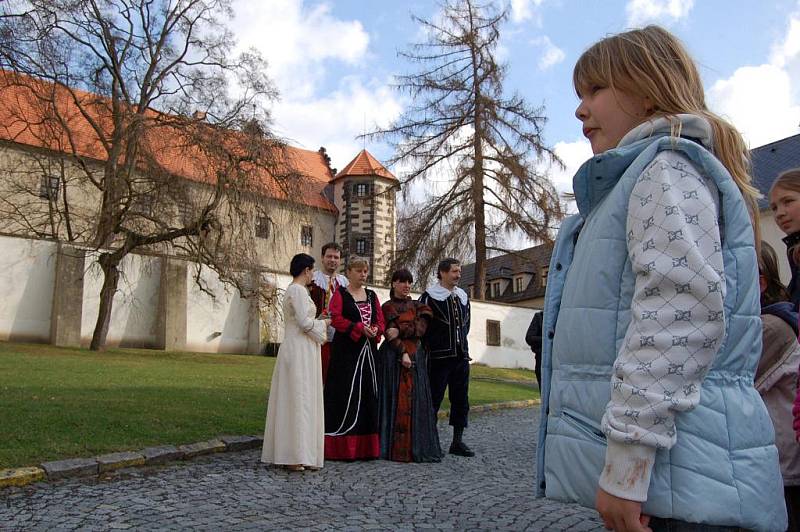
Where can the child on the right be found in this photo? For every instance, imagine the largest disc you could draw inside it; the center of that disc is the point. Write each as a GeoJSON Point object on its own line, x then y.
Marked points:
{"type": "Point", "coordinates": [784, 200]}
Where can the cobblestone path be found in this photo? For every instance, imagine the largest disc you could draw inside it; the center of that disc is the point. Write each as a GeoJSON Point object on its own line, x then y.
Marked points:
{"type": "Point", "coordinates": [233, 491]}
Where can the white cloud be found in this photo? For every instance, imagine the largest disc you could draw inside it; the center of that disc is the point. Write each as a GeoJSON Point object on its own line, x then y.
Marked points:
{"type": "Point", "coordinates": [641, 12]}
{"type": "Point", "coordinates": [334, 121]}
{"type": "Point", "coordinates": [298, 41]}
{"type": "Point", "coordinates": [522, 10]}
{"type": "Point", "coordinates": [304, 43]}
{"type": "Point", "coordinates": [573, 155]}
{"type": "Point", "coordinates": [763, 101]}
{"type": "Point", "coordinates": [551, 54]}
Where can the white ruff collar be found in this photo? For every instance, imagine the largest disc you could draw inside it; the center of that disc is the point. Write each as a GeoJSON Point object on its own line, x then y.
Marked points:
{"type": "Point", "coordinates": [440, 293]}
{"type": "Point", "coordinates": [322, 280]}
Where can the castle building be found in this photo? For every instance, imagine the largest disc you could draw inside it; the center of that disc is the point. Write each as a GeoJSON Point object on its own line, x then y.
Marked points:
{"type": "Point", "coordinates": [355, 207]}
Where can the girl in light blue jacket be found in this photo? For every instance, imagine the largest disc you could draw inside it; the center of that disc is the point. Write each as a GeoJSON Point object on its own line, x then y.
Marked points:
{"type": "Point", "coordinates": [652, 328]}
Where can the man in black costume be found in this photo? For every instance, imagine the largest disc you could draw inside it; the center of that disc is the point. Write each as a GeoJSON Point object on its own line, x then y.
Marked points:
{"type": "Point", "coordinates": [446, 339]}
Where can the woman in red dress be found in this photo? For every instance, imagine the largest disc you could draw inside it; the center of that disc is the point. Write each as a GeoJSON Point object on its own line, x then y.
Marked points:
{"type": "Point", "coordinates": [351, 387]}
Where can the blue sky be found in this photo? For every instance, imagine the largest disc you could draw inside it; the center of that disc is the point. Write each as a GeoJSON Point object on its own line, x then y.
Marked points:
{"type": "Point", "coordinates": [333, 62]}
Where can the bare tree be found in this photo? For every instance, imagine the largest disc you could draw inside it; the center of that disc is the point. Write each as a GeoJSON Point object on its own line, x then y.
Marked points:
{"type": "Point", "coordinates": [141, 107]}
{"type": "Point", "coordinates": [461, 125]}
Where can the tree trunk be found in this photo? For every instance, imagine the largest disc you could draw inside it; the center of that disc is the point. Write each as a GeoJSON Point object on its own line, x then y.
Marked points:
{"type": "Point", "coordinates": [477, 176]}
{"type": "Point", "coordinates": [110, 280]}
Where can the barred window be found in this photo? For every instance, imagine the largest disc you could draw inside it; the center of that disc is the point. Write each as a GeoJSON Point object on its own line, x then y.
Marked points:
{"type": "Point", "coordinates": [362, 189]}
{"type": "Point", "coordinates": [263, 227]}
{"type": "Point", "coordinates": [49, 187]}
{"type": "Point", "coordinates": [307, 235]}
{"type": "Point", "coordinates": [492, 332]}
{"type": "Point", "coordinates": [361, 246]}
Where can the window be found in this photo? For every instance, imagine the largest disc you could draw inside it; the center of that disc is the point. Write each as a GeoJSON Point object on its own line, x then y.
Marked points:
{"type": "Point", "coordinates": [544, 275]}
{"type": "Point", "coordinates": [519, 284]}
{"type": "Point", "coordinates": [496, 289]}
{"type": "Point", "coordinates": [307, 235]}
{"type": "Point", "coordinates": [361, 246]}
{"type": "Point", "coordinates": [185, 212]}
{"type": "Point", "coordinates": [492, 332]}
{"type": "Point", "coordinates": [49, 187]}
{"type": "Point", "coordinates": [142, 204]}
{"type": "Point", "coordinates": [264, 227]}
{"type": "Point", "coordinates": [362, 189]}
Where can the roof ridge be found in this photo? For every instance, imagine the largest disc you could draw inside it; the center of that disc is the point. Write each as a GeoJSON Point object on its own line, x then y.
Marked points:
{"type": "Point", "coordinates": [775, 142]}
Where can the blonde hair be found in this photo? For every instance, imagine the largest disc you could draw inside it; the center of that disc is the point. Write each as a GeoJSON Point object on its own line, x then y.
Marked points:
{"type": "Point", "coordinates": [357, 263]}
{"type": "Point", "coordinates": [788, 180]}
{"type": "Point", "coordinates": [651, 62]}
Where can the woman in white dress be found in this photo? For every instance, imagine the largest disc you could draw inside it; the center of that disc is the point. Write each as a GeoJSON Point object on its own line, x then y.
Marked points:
{"type": "Point", "coordinates": [295, 428]}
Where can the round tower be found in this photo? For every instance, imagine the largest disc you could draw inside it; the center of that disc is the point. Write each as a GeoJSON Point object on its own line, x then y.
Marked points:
{"type": "Point", "coordinates": [364, 193]}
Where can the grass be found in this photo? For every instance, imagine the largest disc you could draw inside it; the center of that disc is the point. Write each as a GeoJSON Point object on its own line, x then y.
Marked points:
{"type": "Point", "coordinates": [62, 403]}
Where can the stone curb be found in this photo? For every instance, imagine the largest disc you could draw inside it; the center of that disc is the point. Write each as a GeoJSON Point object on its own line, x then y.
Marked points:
{"type": "Point", "coordinates": [167, 453]}
{"type": "Point", "coordinates": [161, 454]}
{"type": "Point", "coordinates": [20, 476]}
{"type": "Point", "coordinates": [200, 448]}
{"type": "Point", "coordinates": [72, 467]}
{"type": "Point", "coordinates": [112, 461]}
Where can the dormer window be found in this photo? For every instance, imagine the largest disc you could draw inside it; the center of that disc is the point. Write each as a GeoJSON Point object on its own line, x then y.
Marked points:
{"type": "Point", "coordinates": [519, 284]}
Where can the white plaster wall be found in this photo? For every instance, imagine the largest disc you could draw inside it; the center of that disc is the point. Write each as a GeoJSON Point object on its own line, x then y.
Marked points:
{"type": "Point", "coordinates": [219, 324]}
{"type": "Point", "coordinates": [134, 312]}
{"type": "Point", "coordinates": [512, 352]}
{"type": "Point", "coordinates": [27, 279]}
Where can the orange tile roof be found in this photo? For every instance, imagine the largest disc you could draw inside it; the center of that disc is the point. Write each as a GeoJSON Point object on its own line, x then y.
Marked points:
{"type": "Point", "coordinates": [365, 164]}
{"type": "Point", "coordinates": [23, 120]}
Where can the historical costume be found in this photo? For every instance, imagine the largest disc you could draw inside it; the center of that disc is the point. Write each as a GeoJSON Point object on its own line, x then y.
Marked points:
{"type": "Point", "coordinates": [351, 387]}
{"type": "Point", "coordinates": [295, 416]}
{"type": "Point", "coordinates": [446, 340]}
{"type": "Point", "coordinates": [322, 290]}
{"type": "Point", "coordinates": [407, 419]}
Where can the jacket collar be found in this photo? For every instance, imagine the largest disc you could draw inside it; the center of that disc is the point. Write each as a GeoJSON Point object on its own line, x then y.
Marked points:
{"type": "Point", "coordinates": [597, 176]}
{"type": "Point", "coordinates": [440, 293]}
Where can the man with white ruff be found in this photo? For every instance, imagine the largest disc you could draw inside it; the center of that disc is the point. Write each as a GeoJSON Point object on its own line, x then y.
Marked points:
{"type": "Point", "coordinates": [325, 283]}
{"type": "Point", "coordinates": [446, 339]}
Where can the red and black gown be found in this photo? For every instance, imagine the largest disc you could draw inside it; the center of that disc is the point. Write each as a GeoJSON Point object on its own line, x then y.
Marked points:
{"type": "Point", "coordinates": [407, 420]}
{"type": "Point", "coordinates": [351, 387]}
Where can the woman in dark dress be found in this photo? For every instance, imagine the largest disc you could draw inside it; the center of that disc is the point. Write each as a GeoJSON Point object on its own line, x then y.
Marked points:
{"type": "Point", "coordinates": [351, 387]}
{"type": "Point", "coordinates": [407, 420]}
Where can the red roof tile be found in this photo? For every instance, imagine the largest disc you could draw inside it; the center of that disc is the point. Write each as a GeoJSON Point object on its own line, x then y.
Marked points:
{"type": "Point", "coordinates": [24, 121]}
{"type": "Point", "coordinates": [365, 165]}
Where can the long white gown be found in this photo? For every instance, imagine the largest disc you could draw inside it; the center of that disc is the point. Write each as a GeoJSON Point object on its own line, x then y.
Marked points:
{"type": "Point", "coordinates": [295, 427]}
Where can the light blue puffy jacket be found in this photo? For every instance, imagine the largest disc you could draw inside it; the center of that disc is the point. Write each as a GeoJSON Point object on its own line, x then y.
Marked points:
{"type": "Point", "coordinates": [723, 470]}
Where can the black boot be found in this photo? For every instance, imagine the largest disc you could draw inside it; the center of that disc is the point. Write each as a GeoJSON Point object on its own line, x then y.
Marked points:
{"type": "Point", "coordinates": [458, 447]}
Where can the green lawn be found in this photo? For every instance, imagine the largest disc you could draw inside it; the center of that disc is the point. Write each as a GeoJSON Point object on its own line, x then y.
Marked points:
{"type": "Point", "coordinates": [62, 403]}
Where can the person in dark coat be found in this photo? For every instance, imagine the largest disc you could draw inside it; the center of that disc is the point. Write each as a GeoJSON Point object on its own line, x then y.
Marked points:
{"type": "Point", "coordinates": [534, 339]}
{"type": "Point", "coordinates": [446, 340]}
